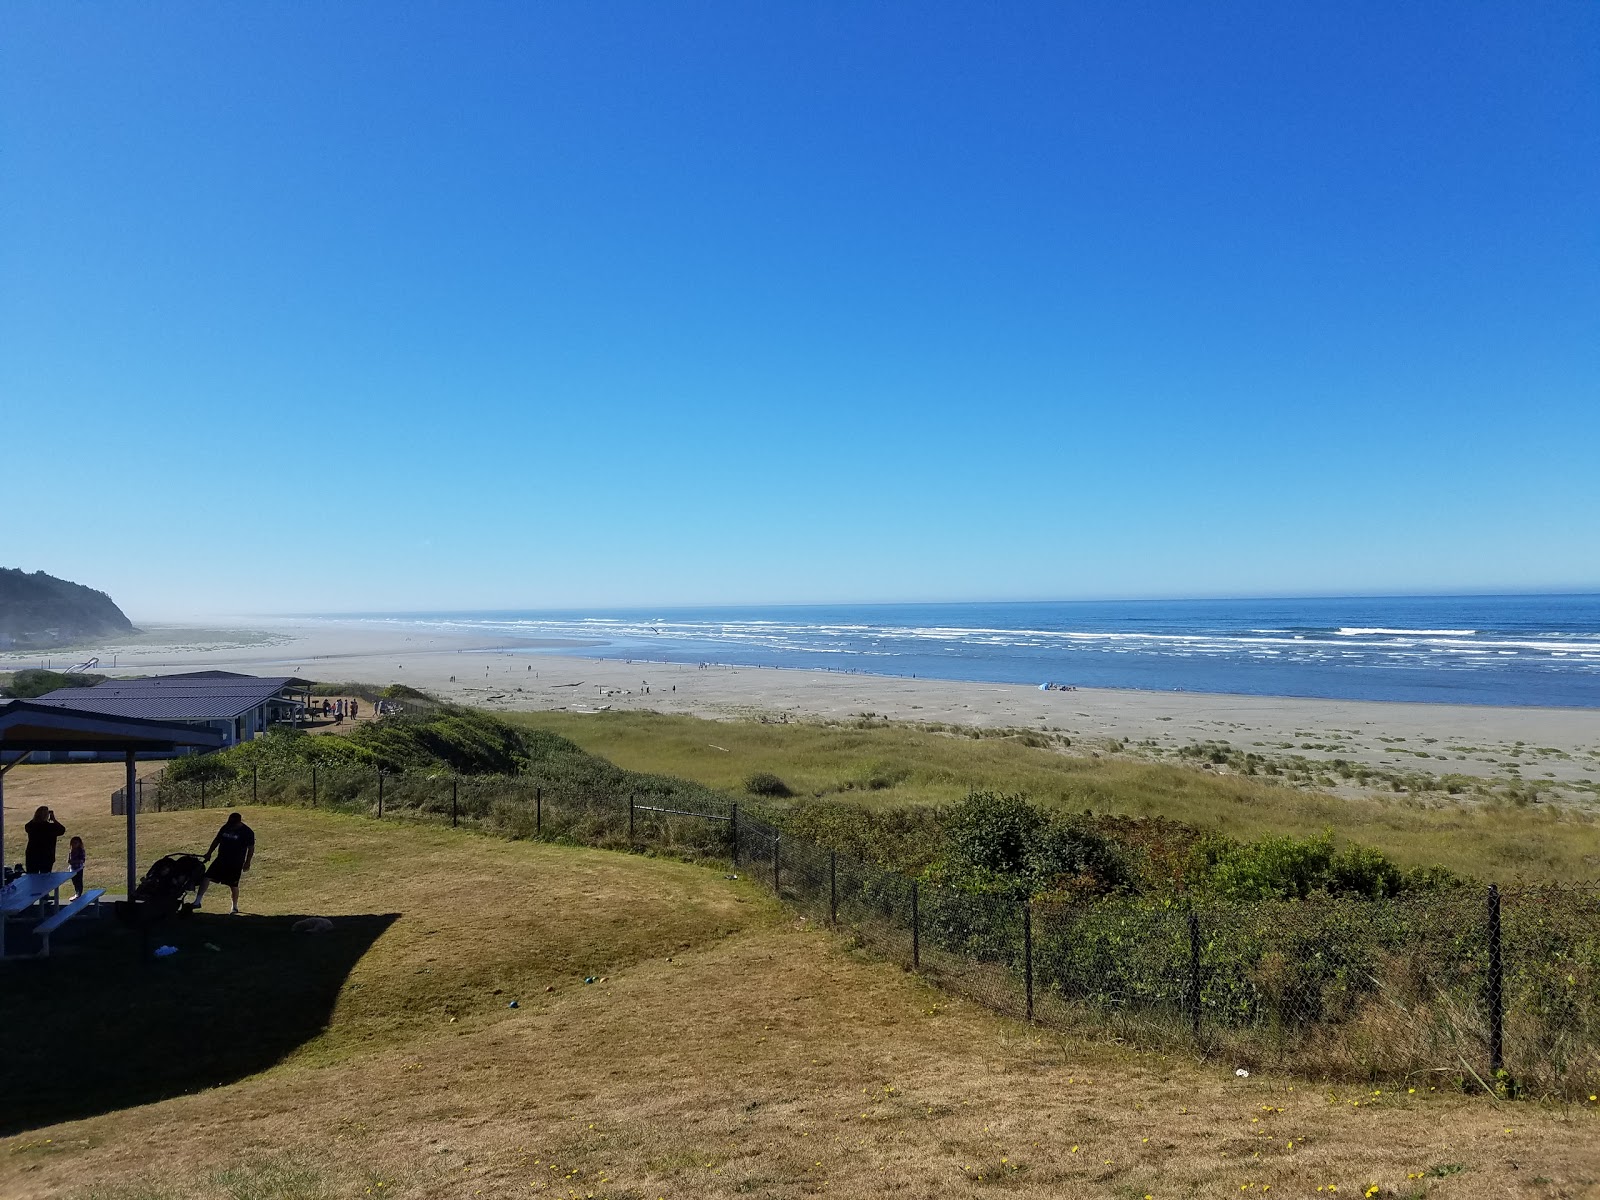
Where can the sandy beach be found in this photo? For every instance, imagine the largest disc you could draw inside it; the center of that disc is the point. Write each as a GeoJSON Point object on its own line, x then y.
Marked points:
{"type": "Point", "coordinates": [1557, 746]}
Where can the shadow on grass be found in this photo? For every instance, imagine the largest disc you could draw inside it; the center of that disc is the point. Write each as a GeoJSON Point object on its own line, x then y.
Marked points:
{"type": "Point", "coordinates": [97, 1027]}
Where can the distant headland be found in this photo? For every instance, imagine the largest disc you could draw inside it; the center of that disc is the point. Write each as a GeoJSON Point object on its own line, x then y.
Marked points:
{"type": "Point", "coordinates": [40, 612]}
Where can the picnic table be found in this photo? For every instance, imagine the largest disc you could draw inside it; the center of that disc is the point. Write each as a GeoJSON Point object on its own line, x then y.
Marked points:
{"type": "Point", "coordinates": [44, 887]}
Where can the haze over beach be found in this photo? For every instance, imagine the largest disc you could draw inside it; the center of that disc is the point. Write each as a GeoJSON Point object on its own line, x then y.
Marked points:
{"type": "Point", "coordinates": [608, 601]}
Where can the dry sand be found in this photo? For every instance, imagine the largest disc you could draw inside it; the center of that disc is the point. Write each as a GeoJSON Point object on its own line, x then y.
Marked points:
{"type": "Point", "coordinates": [1555, 745]}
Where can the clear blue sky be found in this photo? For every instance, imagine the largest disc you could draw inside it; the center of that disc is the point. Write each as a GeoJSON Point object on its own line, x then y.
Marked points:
{"type": "Point", "coordinates": [366, 306]}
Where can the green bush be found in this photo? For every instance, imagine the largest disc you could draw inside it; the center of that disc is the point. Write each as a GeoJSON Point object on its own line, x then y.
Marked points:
{"type": "Point", "coordinates": [35, 681]}
{"type": "Point", "coordinates": [765, 783]}
{"type": "Point", "coordinates": [1006, 843]}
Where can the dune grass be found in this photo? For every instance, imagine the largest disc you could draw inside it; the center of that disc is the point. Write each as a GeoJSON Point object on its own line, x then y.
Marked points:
{"type": "Point", "coordinates": [883, 764]}
{"type": "Point", "coordinates": [726, 1049]}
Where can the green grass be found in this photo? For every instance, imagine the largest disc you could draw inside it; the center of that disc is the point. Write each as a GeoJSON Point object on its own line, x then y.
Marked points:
{"type": "Point", "coordinates": [884, 765]}
{"type": "Point", "coordinates": [411, 952]}
{"type": "Point", "coordinates": [728, 1050]}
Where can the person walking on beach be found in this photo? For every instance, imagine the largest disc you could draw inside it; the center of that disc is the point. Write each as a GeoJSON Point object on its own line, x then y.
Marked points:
{"type": "Point", "coordinates": [43, 830]}
{"type": "Point", "coordinates": [234, 846]}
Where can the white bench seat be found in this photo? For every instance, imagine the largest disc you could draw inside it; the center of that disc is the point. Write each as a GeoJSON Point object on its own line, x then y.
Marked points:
{"type": "Point", "coordinates": [65, 913]}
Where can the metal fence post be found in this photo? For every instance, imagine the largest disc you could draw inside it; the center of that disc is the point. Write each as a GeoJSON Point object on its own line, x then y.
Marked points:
{"type": "Point", "coordinates": [833, 887]}
{"type": "Point", "coordinates": [454, 781]}
{"type": "Point", "coordinates": [733, 833]}
{"type": "Point", "coordinates": [538, 811]}
{"type": "Point", "coordinates": [777, 865]}
{"type": "Point", "coordinates": [313, 785]}
{"type": "Point", "coordinates": [1496, 996]}
{"type": "Point", "coordinates": [1194, 973]}
{"type": "Point", "coordinates": [631, 807]}
{"type": "Point", "coordinates": [916, 929]}
{"type": "Point", "coordinates": [254, 783]}
{"type": "Point", "coordinates": [1027, 956]}
{"type": "Point", "coordinates": [202, 791]}
{"type": "Point", "coordinates": [380, 791]}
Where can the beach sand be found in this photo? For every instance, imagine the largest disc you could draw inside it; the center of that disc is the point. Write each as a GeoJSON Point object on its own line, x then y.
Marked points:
{"type": "Point", "coordinates": [1556, 746]}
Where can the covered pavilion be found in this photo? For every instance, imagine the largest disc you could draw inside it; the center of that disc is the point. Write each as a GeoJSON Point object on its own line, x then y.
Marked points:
{"type": "Point", "coordinates": [27, 728]}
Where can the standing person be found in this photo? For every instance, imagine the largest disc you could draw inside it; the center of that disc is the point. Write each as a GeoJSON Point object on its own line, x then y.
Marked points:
{"type": "Point", "coordinates": [76, 857]}
{"type": "Point", "coordinates": [234, 846]}
{"type": "Point", "coordinates": [43, 830]}
{"type": "Point", "coordinates": [355, 709]}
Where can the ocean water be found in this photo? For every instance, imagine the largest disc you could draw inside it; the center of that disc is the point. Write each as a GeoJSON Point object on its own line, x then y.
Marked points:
{"type": "Point", "coordinates": [1517, 650]}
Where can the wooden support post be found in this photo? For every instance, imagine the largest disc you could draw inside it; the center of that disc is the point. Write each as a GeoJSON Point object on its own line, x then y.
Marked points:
{"type": "Point", "coordinates": [131, 807]}
{"type": "Point", "coordinates": [454, 817]}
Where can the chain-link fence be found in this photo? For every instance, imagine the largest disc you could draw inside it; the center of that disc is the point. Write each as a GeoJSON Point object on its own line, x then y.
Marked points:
{"type": "Point", "coordinates": [1485, 988]}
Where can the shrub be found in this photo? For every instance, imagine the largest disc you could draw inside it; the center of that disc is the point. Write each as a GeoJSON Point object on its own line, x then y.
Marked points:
{"type": "Point", "coordinates": [36, 681]}
{"type": "Point", "coordinates": [765, 783]}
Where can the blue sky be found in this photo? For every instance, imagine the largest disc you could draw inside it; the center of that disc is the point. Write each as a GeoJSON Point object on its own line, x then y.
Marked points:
{"type": "Point", "coordinates": [409, 306]}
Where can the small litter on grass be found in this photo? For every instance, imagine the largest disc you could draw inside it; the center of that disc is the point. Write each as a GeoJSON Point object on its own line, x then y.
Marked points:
{"type": "Point", "coordinates": [550, 988]}
{"type": "Point", "coordinates": [513, 1004]}
{"type": "Point", "coordinates": [588, 978]}
{"type": "Point", "coordinates": [166, 951]}
{"type": "Point", "coordinates": [1242, 1073]}
{"type": "Point", "coordinates": [730, 877]}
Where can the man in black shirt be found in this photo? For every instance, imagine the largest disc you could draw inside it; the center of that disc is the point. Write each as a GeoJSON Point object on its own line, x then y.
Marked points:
{"type": "Point", "coordinates": [234, 846]}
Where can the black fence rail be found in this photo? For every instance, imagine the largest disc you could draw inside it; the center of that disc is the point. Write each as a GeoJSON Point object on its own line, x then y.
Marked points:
{"type": "Point", "coordinates": [1492, 988]}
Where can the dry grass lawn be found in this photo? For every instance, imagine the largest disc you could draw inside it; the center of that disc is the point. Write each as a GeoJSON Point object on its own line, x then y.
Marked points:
{"type": "Point", "coordinates": [731, 1050]}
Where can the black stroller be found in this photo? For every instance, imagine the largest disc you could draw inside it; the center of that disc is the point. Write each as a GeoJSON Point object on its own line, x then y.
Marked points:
{"type": "Point", "coordinates": [160, 893]}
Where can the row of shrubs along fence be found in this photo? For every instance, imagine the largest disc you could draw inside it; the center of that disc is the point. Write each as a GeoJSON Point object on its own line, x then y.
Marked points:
{"type": "Point", "coordinates": [1482, 988]}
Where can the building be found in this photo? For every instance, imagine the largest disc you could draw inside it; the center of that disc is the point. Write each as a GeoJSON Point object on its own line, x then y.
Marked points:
{"type": "Point", "coordinates": [238, 707]}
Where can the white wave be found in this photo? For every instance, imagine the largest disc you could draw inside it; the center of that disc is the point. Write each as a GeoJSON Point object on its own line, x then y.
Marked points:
{"type": "Point", "coordinates": [1358, 631]}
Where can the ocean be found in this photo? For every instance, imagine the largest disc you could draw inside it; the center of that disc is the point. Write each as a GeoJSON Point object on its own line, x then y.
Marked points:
{"type": "Point", "coordinates": [1506, 650]}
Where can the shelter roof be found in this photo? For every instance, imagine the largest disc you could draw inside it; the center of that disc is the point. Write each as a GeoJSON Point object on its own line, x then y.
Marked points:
{"type": "Point", "coordinates": [196, 696]}
{"type": "Point", "coordinates": [31, 725]}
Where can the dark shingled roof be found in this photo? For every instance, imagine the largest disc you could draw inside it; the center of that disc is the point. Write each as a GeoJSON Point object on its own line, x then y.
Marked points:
{"type": "Point", "coordinates": [197, 696]}
{"type": "Point", "coordinates": [31, 725]}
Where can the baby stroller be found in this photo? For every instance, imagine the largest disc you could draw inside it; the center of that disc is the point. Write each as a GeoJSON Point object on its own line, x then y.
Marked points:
{"type": "Point", "coordinates": [160, 893]}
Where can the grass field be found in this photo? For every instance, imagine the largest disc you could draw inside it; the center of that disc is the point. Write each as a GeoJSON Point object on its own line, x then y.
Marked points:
{"type": "Point", "coordinates": [883, 764]}
{"type": "Point", "coordinates": [725, 1049]}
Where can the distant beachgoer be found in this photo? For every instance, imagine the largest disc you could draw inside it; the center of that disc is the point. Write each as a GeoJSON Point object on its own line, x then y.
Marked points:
{"type": "Point", "coordinates": [76, 857]}
{"type": "Point", "coordinates": [43, 830]}
{"type": "Point", "coordinates": [234, 846]}
{"type": "Point", "coordinates": [327, 707]}
{"type": "Point", "coordinates": [355, 709]}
